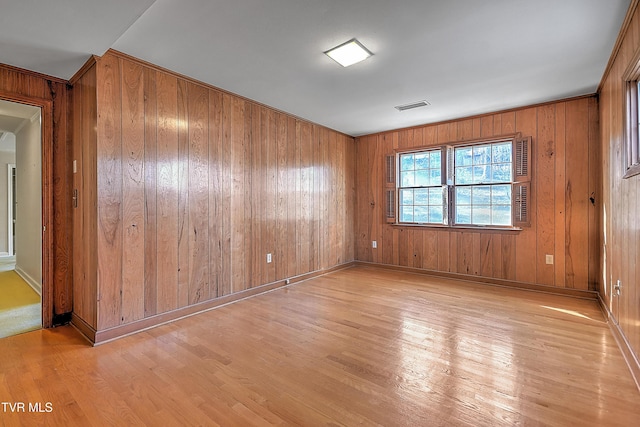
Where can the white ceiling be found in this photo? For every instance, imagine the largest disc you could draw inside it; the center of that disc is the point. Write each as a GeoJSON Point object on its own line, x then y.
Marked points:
{"type": "Point", "coordinates": [465, 57]}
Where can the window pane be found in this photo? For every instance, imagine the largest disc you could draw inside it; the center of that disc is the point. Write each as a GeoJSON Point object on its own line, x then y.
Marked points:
{"type": "Point", "coordinates": [420, 214]}
{"type": "Point", "coordinates": [481, 214]}
{"type": "Point", "coordinates": [482, 154]}
{"type": "Point", "coordinates": [501, 152]}
{"type": "Point", "coordinates": [501, 194]}
{"type": "Point", "coordinates": [406, 197]}
{"type": "Point", "coordinates": [436, 214]}
{"type": "Point", "coordinates": [464, 175]}
{"type": "Point", "coordinates": [435, 196]}
{"type": "Point", "coordinates": [501, 173]}
{"type": "Point", "coordinates": [463, 156]}
{"type": "Point", "coordinates": [407, 179]}
{"type": "Point", "coordinates": [422, 178]}
{"type": "Point", "coordinates": [421, 196]}
{"type": "Point", "coordinates": [406, 213]}
{"type": "Point", "coordinates": [463, 196]}
{"type": "Point", "coordinates": [501, 215]}
{"type": "Point", "coordinates": [436, 177]}
{"type": "Point", "coordinates": [481, 195]}
{"type": "Point", "coordinates": [463, 215]}
{"type": "Point", "coordinates": [422, 161]}
{"type": "Point", "coordinates": [481, 174]}
{"type": "Point", "coordinates": [435, 159]}
{"type": "Point", "coordinates": [406, 162]}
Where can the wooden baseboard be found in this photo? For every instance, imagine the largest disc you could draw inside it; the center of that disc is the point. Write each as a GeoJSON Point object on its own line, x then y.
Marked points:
{"type": "Point", "coordinates": [621, 339]}
{"type": "Point", "coordinates": [102, 336]}
{"type": "Point", "coordinates": [83, 327]}
{"type": "Point", "coordinates": [575, 293]}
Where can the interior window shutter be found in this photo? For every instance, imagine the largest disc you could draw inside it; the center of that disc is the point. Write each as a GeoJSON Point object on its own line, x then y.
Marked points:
{"type": "Point", "coordinates": [390, 188]}
{"type": "Point", "coordinates": [521, 190]}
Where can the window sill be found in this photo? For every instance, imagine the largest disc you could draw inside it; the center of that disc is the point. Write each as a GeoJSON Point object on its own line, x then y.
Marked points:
{"type": "Point", "coordinates": [480, 229]}
{"type": "Point", "coordinates": [632, 170]}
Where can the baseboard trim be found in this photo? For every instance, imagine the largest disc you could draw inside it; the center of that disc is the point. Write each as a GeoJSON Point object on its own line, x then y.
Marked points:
{"type": "Point", "coordinates": [98, 337]}
{"type": "Point", "coordinates": [575, 293]}
{"type": "Point", "coordinates": [83, 327]}
{"type": "Point", "coordinates": [30, 280]}
{"type": "Point", "coordinates": [621, 339]}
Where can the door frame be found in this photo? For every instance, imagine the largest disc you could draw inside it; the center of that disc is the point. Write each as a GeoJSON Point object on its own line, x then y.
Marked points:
{"type": "Point", "coordinates": [46, 160]}
{"type": "Point", "coordinates": [11, 199]}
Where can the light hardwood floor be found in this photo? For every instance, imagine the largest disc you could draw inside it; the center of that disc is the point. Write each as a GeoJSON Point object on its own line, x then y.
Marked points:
{"type": "Point", "coordinates": [362, 346]}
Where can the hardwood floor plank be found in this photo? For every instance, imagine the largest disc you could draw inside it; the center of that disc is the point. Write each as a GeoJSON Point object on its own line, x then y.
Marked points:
{"type": "Point", "coordinates": [361, 346]}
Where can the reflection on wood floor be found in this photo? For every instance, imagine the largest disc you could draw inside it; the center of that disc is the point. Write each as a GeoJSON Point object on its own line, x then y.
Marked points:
{"type": "Point", "coordinates": [362, 346]}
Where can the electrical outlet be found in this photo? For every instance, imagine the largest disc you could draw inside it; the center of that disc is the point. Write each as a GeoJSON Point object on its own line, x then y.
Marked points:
{"type": "Point", "coordinates": [374, 244]}
{"type": "Point", "coordinates": [268, 258]}
{"type": "Point", "coordinates": [549, 259]}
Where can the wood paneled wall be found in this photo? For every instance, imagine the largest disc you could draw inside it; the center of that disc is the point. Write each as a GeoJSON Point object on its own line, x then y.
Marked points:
{"type": "Point", "coordinates": [194, 187]}
{"type": "Point", "coordinates": [564, 223]}
{"type": "Point", "coordinates": [51, 94]}
{"type": "Point", "coordinates": [621, 236]}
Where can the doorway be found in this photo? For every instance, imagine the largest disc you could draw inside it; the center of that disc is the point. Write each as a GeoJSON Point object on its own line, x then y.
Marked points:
{"type": "Point", "coordinates": [21, 267]}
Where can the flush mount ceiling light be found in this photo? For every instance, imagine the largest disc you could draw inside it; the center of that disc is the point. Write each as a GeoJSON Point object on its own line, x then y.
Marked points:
{"type": "Point", "coordinates": [349, 53]}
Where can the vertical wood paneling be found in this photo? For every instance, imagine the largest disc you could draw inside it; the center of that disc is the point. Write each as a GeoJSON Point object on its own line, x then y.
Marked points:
{"type": "Point", "coordinates": [239, 257]}
{"type": "Point", "coordinates": [133, 192]}
{"type": "Point", "coordinates": [167, 192]}
{"type": "Point", "coordinates": [225, 285]}
{"type": "Point", "coordinates": [618, 206]}
{"type": "Point", "coordinates": [577, 195]}
{"type": "Point", "coordinates": [197, 186]}
{"type": "Point", "coordinates": [198, 207]}
{"type": "Point", "coordinates": [282, 189]}
{"type": "Point", "coordinates": [516, 256]}
{"type": "Point", "coordinates": [544, 164]}
{"type": "Point", "coordinates": [526, 122]}
{"type": "Point", "coordinates": [85, 182]}
{"type": "Point", "coordinates": [183, 194]}
{"type": "Point", "coordinates": [216, 190]}
{"type": "Point", "coordinates": [150, 196]}
{"type": "Point", "coordinates": [110, 226]}
{"type": "Point", "coordinates": [560, 194]}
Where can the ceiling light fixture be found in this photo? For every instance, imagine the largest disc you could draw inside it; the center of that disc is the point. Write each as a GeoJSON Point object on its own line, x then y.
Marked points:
{"type": "Point", "coordinates": [349, 53]}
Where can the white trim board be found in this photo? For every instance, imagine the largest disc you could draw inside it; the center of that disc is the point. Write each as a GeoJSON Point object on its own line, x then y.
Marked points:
{"type": "Point", "coordinates": [30, 280]}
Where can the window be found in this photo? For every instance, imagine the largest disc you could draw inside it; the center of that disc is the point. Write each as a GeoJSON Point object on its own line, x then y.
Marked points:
{"type": "Point", "coordinates": [477, 184]}
{"type": "Point", "coordinates": [631, 152]}
{"type": "Point", "coordinates": [482, 191]}
{"type": "Point", "coordinates": [421, 192]}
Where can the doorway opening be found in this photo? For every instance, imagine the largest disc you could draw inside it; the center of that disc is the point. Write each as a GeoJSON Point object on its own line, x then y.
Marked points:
{"type": "Point", "coordinates": [20, 218]}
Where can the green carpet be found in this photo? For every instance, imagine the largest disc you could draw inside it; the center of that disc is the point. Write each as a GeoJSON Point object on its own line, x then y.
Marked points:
{"type": "Point", "coordinates": [20, 309]}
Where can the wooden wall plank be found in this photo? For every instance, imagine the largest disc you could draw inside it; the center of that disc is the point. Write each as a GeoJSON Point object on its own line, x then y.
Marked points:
{"type": "Point", "coordinates": [216, 190]}
{"type": "Point", "coordinates": [526, 122]}
{"type": "Point", "coordinates": [228, 213]}
{"type": "Point", "coordinates": [559, 208]}
{"type": "Point", "coordinates": [109, 187]}
{"type": "Point", "coordinates": [133, 192]}
{"type": "Point", "coordinates": [183, 194]}
{"type": "Point", "coordinates": [150, 194]}
{"type": "Point", "coordinates": [577, 195]}
{"type": "Point", "coordinates": [282, 191]}
{"type": "Point", "coordinates": [544, 164]}
{"type": "Point", "coordinates": [198, 180]}
{"type": "Point", "coordinates": [167, 192]}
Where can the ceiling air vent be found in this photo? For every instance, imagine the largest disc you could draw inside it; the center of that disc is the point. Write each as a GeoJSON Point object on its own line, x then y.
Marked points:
{"type": "Point", "coordinates": [411, 106]}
